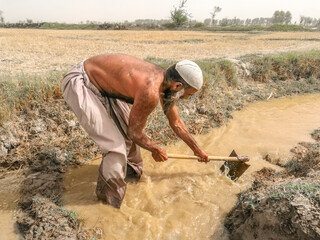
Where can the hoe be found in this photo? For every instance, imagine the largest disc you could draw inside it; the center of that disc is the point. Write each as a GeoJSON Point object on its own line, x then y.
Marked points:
{"type": "Point", "coordinates": [234, 165]}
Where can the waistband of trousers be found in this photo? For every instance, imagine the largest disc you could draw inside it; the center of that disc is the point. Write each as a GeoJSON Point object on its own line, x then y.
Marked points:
{"type": "Point", "coordinates": [87, 81]}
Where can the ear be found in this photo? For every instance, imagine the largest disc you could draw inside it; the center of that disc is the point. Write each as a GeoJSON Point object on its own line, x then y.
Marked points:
{"type": "Point", "coordinates": [176, 86]}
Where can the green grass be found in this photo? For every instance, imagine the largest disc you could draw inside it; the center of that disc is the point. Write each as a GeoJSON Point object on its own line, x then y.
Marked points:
{"type": "Point", "coordinates": [236, 28]}
{"type": "Point", "coordinates": [287, 28]}
{"type": "Point", "coordinates": [293, 165]}
{"type": "Point", "coordinates": [275, 28]}
{"type": "Point", "coordinates": [170, 26]}
{"type": "Point", "coordinates": [19, 92]}
{"type": "Point", "coordinates": [286, 66]}
{"type": "Point", "coordinates": [64, 26]}
{"type": "Point", "coordinates": [72, 216]}
{"type": "Point", "coordinates": [316, 134]}
{"type": "Point", "coordinates": [289, 190]}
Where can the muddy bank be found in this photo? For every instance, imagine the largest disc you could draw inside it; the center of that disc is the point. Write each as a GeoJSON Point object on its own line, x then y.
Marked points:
{"type": "Point", "coordinates": [44, 139]}
{"type": "Point", "coordinates": [41, 143]}
{"type": "Point", "coordinates": [283, 205]}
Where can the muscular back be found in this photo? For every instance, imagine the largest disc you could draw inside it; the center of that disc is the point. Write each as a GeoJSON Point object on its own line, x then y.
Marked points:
{"type": "Point", "coordinates": [122, 76]}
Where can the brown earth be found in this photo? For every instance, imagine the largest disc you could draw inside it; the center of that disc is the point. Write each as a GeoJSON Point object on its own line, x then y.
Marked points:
{"type": "Point", "coordinates": [283, 205]}
{"type": "Point", "coordinates": [43, 140]}
{"type": "Point", "coordinates": [38, 51]}
{"type": "Point", "coordinates": [42, 143]}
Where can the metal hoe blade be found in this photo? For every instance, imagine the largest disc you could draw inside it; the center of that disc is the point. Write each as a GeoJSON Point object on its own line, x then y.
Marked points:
{"type": "Point", "coordinates": [235, 169]}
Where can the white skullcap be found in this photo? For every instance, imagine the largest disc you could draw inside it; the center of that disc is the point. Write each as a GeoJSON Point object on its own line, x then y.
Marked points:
{"type": "Point", "coordinates": [191, 73]}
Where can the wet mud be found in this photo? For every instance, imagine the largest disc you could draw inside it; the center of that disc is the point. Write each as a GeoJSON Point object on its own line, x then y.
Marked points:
{"type": "Point", "coordinates": [40, 144]}
{"type": "Point", "coordinates": [184, 199]}
{"type": "Point", "coordinates": [282, 205]}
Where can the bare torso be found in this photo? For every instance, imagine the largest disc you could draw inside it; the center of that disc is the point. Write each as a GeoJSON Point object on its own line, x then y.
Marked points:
{"type": "Point", "coordinates": [139, 82]}
{"type": "Point", "coordinates": [122, 76]}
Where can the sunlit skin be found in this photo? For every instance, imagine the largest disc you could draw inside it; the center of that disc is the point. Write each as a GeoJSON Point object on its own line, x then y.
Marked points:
{"type": "Point", "coordinates": [142, 84]}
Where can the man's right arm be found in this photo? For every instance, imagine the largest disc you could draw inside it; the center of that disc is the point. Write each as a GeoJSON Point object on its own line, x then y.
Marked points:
{"type": "Point", "coordinates": [144, 103]}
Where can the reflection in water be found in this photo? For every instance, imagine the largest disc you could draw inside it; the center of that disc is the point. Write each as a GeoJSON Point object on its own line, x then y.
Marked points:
{"type": "Point", "coordinates": [185, 199]}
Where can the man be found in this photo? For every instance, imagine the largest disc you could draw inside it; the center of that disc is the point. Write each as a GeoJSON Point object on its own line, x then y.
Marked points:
{"type": "Point", "coordinates": [98, 90]}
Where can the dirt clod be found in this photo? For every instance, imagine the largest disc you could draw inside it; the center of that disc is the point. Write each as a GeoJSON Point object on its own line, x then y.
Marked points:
{"type": "Point", "coordinates": [281, 205]}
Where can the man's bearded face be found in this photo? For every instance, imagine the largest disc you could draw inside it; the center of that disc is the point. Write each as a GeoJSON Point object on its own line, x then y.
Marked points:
{"type": "Point", "coordinates": [170, 98]}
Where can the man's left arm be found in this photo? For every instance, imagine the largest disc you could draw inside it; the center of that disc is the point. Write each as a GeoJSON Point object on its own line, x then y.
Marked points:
{"type": "Point", "coordinates": [179, 127]}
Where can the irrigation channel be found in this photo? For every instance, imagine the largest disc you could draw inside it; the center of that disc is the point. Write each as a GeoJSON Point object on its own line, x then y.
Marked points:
{"type": "Point", "coordinates": [185, 199]}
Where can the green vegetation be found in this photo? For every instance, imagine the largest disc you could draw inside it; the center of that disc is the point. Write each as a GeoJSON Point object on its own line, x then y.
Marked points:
{"type": "Point", "coordinates": [64, 26]}
{"type": "Point", "coordinates": [181, 18]}
{"type": "Point", "coordinates": [287, 28]}
{"type": "Point", "coordinates": [287, 66]}
{"type": "Point", "coordinates": [316, 134]}
{"type": "Point", "coordinates": [163, 25]}
{"type": "Point", "coordinates": [275, 28]}
{"type": "Point", "coordinates": [1, 17]}
{"type": "Point", "coordinates": [281, 17]}
{"type": "Point", "coordinates": [73, 218]}
{"type": "Point", "coordinates": [293, 166]}
{"type": "Point", "coordinates": [179, 15]}
{"type": "Point", "coordinates": [289, 190]}
{"type": "Point", "coordinates": [20, 92]}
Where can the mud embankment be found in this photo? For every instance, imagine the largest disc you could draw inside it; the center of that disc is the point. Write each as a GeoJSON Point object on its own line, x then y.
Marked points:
{"type": "Point", "coordinates": [42, 143]}
{"type": "Point", "coordinates": [283, 205]}
{"type": "Point", "coordinates": [43, 140]}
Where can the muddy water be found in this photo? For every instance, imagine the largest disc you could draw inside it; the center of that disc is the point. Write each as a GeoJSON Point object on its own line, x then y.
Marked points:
{"type": "Point", "coordinates": [181, 199]}
{"type": "Point", "coordinates": [178, 199]}
{"type": "Point", "coordinates": [9, 198]}
{"type": "Point", "coordinates": [184, 199]}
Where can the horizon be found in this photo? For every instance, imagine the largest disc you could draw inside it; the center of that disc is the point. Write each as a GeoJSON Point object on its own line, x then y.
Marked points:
{"type": "Point", "coordinates": [73, 11]}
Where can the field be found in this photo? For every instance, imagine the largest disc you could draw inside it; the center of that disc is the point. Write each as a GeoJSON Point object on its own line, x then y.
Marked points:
{"type": "Point", "coordinates": [39, 51]}
{"type": "Point", "coordinates": [40, 137]}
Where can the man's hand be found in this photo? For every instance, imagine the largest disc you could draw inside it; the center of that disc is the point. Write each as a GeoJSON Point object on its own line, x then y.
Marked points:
{"type": "Point", "coordinates": [203, 156]}
{"type": "Point", "coordinates": [159, 155]}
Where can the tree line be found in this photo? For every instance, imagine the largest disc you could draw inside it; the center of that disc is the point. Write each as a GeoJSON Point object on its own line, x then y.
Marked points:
{"type": "Point", "coordinates": [180, 17]}
{"type": "Point", "coordinates": [279, 17]}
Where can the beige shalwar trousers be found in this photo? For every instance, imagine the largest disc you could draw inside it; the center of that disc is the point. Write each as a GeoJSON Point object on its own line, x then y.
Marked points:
{"type": "Point", "coordinates": [106, 122]}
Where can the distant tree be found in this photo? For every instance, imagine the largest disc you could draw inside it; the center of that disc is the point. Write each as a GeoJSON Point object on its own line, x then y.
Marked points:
{"type": "Point", "coordinates": [29, 21]}
{"type": "Point", "coordinates": [288, 17]}
{"type": "Point", "coordinates": [1, 17]}
{"type": "Point", "coordinates": [309, 21]}
{"type": "Point", "coordinates": [248, 22]}
{"type": "Point", "coordinates": [278, 17]}
{"type": "Point", "coordinates": [216, 9]}
{"type": "Point", "coordinates": [236, 22]}
{"type": "Point", "coordinates": [305, 21]}
{"type": "Point", "coordinates": [314, 22]}
{"type": "Point", "coordinates": [179, 15]}
{"type": "Point", "coordinates": [255, 21]}
{"type": "Point", "coordinates": [224, 22]}
{"type": "Point", "coordinates": [281, 17]}
{"type": "Point", "coordinates": [207, 21]}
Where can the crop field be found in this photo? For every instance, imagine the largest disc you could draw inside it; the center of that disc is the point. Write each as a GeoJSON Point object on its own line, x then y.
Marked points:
{"type": "Point", "coordinates": [25, 51]}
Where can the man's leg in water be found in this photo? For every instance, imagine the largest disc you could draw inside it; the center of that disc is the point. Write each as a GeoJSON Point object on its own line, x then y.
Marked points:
{"type": "Point", "coordinates": [86, 102]}
{"type": "Point", "coordinates": [135, 163]}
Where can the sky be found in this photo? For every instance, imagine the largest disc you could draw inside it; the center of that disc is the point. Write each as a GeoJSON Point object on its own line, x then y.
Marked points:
{"type": "Point", "coordinates": [75, 11]}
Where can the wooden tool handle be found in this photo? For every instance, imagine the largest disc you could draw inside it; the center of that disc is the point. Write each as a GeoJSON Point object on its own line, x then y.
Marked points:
{"type": "Point", "coordinates": [211, 158]}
